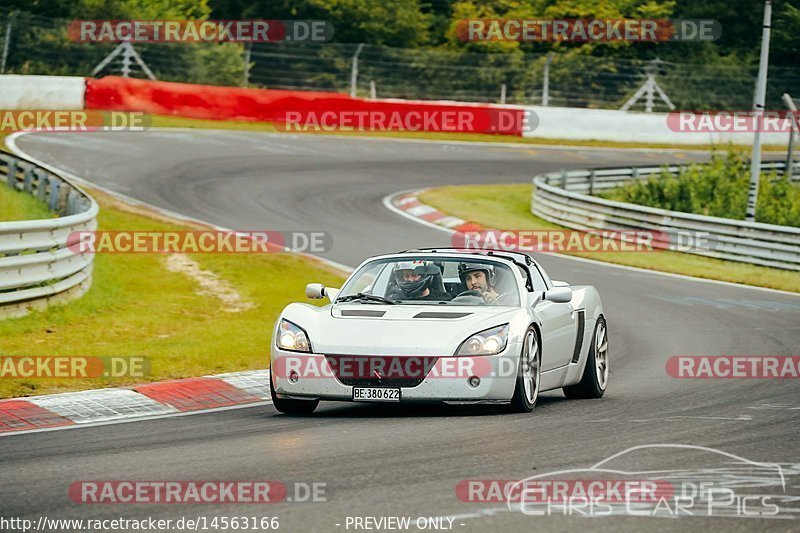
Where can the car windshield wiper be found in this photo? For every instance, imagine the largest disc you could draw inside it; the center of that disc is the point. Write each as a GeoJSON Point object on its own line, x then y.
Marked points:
{"type": "Point", "coordinates": [366, 297]}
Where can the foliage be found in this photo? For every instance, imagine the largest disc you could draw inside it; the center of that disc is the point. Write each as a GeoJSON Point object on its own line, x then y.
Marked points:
{"type": "Point", "coordinates": [428, 60]}
{"type": "Point", "coordinates": [718, 189]}
{"type": "Point", "coordinates": [218, 64]}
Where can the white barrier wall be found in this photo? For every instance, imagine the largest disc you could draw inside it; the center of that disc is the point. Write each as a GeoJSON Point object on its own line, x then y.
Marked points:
{"type": "Point", "coordinates": [623, 126]}
{"type": "Point", "coordinates": [67, 93]}
{"type": "Point", "coordinates": [42, 92]}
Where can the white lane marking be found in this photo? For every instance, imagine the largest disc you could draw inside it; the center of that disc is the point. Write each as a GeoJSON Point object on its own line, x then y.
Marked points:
{"type": "Point", "coordinates": [494, 144]}
{"type": "Point", "coordinates": [387, 202]}
{"type": "Point", "coordinates": [787, 407]}
{"type": "Point", "coordinates": [742, 418]}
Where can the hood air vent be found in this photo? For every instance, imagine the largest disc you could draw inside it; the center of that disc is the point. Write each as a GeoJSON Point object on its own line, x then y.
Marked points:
{"type": "Point", "coordinates": [363, 312]}
{"type": "Point", "coordinates": [430, 314]}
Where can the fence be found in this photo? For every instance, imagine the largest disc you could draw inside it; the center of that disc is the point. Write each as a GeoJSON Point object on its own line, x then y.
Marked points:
{"type": "Point", "coordinates": [36, 265]}
{"type": "Point", "coordinates": [565, 198]}
{"type": "Point", "coordinates": [39, 45]}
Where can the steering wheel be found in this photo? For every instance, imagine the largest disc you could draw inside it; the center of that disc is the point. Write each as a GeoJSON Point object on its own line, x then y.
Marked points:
{"type": "Point", "coordinates": [499, 300]}
{"type": "Point", "coordinates": [505, 296]}
{"type": "Point", "coordinates": [479, 294]}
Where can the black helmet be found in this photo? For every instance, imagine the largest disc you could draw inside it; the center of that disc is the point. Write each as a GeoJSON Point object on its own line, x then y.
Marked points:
{"type": "Point", "coordinates": [465, 268]}
{"type": "Point", "coordinates": [412, 289]}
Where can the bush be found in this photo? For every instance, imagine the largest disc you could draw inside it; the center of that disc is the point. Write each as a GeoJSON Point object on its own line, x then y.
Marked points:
{"type": "Point", "coordinates": [217, 64]}
{"type": "Point", "coordinates": [717, 189]}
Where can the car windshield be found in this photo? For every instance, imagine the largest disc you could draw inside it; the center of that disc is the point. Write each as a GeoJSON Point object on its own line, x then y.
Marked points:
{"type": "Point", "coordinates": [471, 280]}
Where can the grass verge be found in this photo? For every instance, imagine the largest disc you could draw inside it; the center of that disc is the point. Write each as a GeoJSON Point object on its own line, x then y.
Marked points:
{"type": "Point", "coordinates": [508, 207]}
{"type": "Point", "coordinates": [18, 205]}
{"type": "Point", "coordinates": [136, 306]}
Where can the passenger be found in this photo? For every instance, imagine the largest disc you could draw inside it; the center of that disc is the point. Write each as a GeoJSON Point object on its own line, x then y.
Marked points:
{"type": "Point", "coordinates": [417, 280]}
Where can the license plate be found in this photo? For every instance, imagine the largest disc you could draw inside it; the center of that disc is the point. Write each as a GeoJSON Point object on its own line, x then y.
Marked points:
{"type": "Point", "coordinates": [375, 394]}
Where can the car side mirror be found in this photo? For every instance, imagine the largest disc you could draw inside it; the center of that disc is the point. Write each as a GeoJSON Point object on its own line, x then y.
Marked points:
{"type": "Point", "coordinates": [559, 295]}
{"type": "Point", "coordinates": [317, 291]}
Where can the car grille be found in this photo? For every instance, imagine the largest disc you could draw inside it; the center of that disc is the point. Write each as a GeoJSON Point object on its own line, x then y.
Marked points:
{"type": "Point", "coordinates": [354, 370]}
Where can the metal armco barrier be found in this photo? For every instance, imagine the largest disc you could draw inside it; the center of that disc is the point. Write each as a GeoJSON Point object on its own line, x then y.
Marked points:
{"type": "Point", "coordinates": [36, 266]}
{"type": "Point", "coordinates": [566, 198]}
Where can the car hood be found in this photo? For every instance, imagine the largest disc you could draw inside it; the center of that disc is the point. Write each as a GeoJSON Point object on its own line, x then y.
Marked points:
{"type": "Point", "coordinates": [367, 329]}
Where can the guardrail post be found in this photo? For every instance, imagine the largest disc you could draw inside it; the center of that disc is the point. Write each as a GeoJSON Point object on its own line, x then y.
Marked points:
{"type": "Point", "coordinates": [63, 198]}
{"type": "Point", "coordinates": [28, 183]}
{"type": "Point", "coordinates": [42, 190]}
{"type": "Point", "coordinates": [635, 173]}
{"type": "Point", "coordinates": [72, 197]}
{"type": "Point", "coordinates": [564, 179]}
{"type": "Point", "coordinates": [54, 190]}
{"type": "Point", "coordinates": [591, 182]}
{"type": "Point", "coordinates": [11, 175]}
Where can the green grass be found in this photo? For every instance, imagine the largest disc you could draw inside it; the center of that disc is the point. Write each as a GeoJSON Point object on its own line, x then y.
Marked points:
{"type": "Point", "coordinates": [18, 205]}
{"type": "Point", "coordinates": [160, 121]}
{"type": "Point", "coordinates": [508, 207]}
{"type": "Point", "coordinates": [137, 307]}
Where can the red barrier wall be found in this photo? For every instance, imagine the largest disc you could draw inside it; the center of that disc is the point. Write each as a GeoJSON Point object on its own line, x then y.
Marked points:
{"type": "Point", "coordinates": [299, 107]}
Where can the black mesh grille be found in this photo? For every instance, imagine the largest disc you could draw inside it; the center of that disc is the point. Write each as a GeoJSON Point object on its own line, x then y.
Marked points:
{"type": "Point", "coordinates": [380, 371]}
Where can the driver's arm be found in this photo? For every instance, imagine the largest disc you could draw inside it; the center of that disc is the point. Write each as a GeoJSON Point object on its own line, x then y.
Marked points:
{"type": "Point", "coordinates": [490, 296]}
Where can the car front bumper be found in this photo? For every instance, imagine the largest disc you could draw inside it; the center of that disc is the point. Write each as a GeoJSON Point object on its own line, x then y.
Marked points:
{"type": "Point", "coordinates": [448, 381]}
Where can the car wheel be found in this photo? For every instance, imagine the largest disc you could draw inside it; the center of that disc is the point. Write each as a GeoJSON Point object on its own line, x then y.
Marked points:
{"type": "Point", "coordinates": [292, 407]}
{"type": "Point", "coordinates": [529, 374]}
{"type": "Point", "coordinates": [594, 381]}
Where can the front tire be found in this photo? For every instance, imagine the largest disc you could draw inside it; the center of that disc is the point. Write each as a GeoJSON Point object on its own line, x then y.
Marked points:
{"type": "Point", "coordinates": [594, 381]}
{"type": "Point", "coordinates": [292, 407]}
{"type": "Point", "coordinates": [529, 374]}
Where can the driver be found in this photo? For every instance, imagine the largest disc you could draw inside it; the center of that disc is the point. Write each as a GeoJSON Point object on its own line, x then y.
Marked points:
{"type": "Point", "coordinates": [479, 277]}
{"type": "Point", "coordinates": [413, 280]}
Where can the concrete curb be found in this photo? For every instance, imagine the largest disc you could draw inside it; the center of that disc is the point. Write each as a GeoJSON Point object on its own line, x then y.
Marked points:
{"type": "Point", "coordinates": [148, 400]}
{"type": "Point", "coordinates": [408, 204]}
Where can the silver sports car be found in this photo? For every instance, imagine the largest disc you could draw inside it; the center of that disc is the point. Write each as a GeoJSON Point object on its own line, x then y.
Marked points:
{"type": "Point", "coordinates": [441, 325]}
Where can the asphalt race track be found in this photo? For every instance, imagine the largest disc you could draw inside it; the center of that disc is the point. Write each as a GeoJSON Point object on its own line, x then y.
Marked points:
{"type": "Point", "coordinates": [407, 461]}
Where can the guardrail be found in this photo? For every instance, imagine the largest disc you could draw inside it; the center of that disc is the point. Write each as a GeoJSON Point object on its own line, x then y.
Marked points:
{"type": "Point", "coordinates": [36, 265]}
{"type": "Point", "coordinates": [566, 198]}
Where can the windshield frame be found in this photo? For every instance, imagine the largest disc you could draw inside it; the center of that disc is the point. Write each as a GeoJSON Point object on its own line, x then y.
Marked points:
{"type": "Point", "coordinates": [505, 263]}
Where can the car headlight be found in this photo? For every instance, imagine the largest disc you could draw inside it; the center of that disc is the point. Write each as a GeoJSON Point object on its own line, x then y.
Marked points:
{"type": "Point", "coordinates": [292, 337]}
{"type": "Point", "coordinates": [487, 342]}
